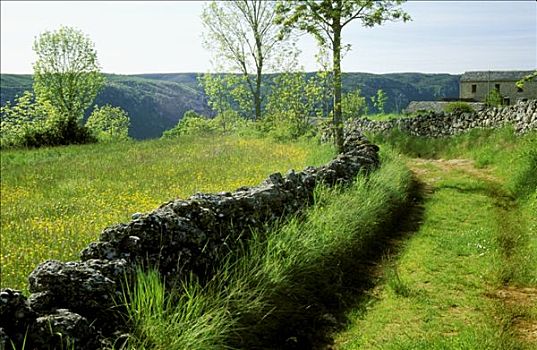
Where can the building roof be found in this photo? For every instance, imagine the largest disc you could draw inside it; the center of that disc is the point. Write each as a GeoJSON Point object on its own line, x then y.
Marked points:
{"type": "Point", "coordinates": [513, 75]}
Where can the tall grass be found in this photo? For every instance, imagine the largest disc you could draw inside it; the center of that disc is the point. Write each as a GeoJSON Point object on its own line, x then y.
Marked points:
{"type": "Point", "coordinates": [281, 289]}
{"type": "Point", "coordinates": [54, 201]}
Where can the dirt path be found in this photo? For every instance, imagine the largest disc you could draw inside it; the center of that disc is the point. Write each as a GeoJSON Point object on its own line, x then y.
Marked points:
{"type": "Point", "coordinates": [453, 284]}
{"type": "Point", "coordinates": [514, 299]}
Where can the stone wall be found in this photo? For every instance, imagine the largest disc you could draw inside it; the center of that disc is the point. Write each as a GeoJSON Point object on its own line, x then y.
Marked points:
{"type": "Point", "coordinates": [436, 106]}
{"type": "Point", "coordinates": [76, 299]}
{"type": "Point", "coordinates": [523, 116]}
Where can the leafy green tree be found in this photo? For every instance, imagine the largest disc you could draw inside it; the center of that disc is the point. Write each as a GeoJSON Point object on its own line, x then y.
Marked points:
{"type": "Point", "coordinates": [21, 118]}
{"type": "Point", "coordinates": [293, 99]}
{"type": "Point", "coordinates": [325, 20]}
{"type": "Point", "coordinates": [353, 105]}
{"type": "Point", "coordinates": [243, 35]}
{"type": "Point", "coordinates": [109, 124]}
{"type": "Point", "coordinates": [379, 101]}
{"type": "Point", "coordinates": [66, 72]}
{"type": "Point", "coordinates": [30, 122]}
{"type": "Point", "coordinates": [217, 89]}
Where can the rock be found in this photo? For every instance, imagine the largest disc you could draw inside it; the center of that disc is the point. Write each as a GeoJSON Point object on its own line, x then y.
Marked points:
{"type": "Point", "coordinates": [64, 330]}
{"type": "Point", "coordinates": [16, 316]}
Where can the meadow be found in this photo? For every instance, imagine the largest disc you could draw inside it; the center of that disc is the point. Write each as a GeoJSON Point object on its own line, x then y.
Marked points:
{"type": "Point", "coordinates": [54, 201]}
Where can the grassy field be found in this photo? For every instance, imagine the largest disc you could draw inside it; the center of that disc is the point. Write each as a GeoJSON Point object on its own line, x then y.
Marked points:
{"type": "Point", "coordinates": [286, 287]}
{"type": "Point", "coordinates": [54, 201]}
{"type": "Point", "coordinates": [466, 279]}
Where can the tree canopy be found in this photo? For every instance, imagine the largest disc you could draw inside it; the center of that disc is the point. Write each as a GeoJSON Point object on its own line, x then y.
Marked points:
{"type": "Point", "coordinates": [66, 72]}
{"type": "Point", "coordinates": [325, 20]}
{"type": "Point", "coordinates": [244, 37]}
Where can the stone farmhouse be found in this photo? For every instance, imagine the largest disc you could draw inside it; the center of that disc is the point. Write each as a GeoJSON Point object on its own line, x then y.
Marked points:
{"type": "Point", "coordinates": [475, 86]}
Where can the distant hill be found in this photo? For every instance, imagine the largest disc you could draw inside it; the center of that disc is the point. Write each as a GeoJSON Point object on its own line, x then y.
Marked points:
{"type": "Point", "coordinates": [156, 102]}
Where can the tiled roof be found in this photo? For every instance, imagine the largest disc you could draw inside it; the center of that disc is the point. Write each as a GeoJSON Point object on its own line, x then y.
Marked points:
{"type": "Point", "coordinates": [495, 75]}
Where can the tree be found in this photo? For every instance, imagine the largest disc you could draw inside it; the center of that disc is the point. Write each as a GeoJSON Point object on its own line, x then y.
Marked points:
{"type": "Point", "coordinates": [353, 105]}
{"type": "Point", "coordinates": [325, 20]}
{"type": "Point", "coordinates": [244, 35]}
{"type": "Point", "coordinates": [109, 123]}
{"type": "Point", "coordinates": [30, 122]}
{"type": "Point", "coordinates": [379, 100]}
{"type": "Point", "coordinates": [293, 100]}
{"type": "Point", "coordinates": [66, 72]}
{"type": "Point", "coordinates": [22, 118]}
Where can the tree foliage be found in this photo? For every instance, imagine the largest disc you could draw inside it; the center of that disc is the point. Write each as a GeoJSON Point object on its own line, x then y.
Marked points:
{"type": "Point", "coordinates": [29, 122]}
{"type": "Point", "coordinates": [244, 37]}
{"type": "Point", "coordinates": [293, 102]}
{"type": "Point", "coordinates": [193, 123]}
{"type": "Point", "coordinates": [530, 77]}
{"type": "Point", "coordinates": [379, 101]}
{"type": "Point", "coordinates": [109, 124]}
{"type": "Point", "coordinates": [66, 72]}
{"type": "Point", "coordinates": [353, 105]}
{"type": "Point", "coordinates": [21, 118]}
{"type": "Point", "coordinates": [325, 20]}
{"type": "Point", "coordinates": [494, 98]}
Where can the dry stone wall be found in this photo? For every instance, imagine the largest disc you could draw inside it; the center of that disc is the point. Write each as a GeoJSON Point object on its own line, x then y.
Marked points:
{"type": "Point", "coordinates": [74, 302]}
{"type": "Point", "coordinates": [523, 116]}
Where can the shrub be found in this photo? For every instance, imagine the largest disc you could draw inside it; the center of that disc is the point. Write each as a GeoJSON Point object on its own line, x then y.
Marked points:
{"type": "Point", "coordinates": [494, 98]}
{"type": "Point", "coordinates": [108, 124]}
{"type": "Point", "coordinates": [59, 132]}
{"type": "Point", "coordinates": [458, 107]}
{"type": "Point", "coordinates": [33, 123]}
{"type": "Point", "coordinates": [192, 124]}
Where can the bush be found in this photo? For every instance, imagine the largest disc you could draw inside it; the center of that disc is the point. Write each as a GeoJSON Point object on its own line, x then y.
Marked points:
{"type": "Point", "coordinates": [192, 124]}
{"type": "Point", "coordinates": [108, 124]}
{"type": "Point", "coordinates": [458, 107]}
{"type": "Point", "coordinates": [494, 98]}
{"type": "Point", "coordinates": [58, 133]}
{"type": "Point", "coordinates": [32, 123]}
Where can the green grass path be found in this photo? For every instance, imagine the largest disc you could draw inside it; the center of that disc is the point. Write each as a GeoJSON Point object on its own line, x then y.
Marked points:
{"type": "Point", "coordinates": [461, 280]}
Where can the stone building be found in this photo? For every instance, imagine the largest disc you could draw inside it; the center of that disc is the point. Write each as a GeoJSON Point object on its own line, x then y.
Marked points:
{"type": "Point", "coordinates": [475, 86]}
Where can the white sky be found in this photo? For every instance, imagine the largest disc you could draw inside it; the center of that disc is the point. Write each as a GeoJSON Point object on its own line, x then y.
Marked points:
{"type": "Point", "coordinates": [165, 36]}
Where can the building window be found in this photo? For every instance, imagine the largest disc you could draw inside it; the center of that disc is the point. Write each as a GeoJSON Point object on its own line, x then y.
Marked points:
{"type": "Point", "coordinates": [519, 89]}
{"type": "Point", "coordinates": [506, 101]}
{"type": "Point", "coordinates": [497, 87]}
{"type": "Point", "coordinates": [474, 88]}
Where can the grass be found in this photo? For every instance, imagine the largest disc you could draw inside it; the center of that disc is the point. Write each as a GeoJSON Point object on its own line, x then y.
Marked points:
{"type": "Point", "coordinates": [456, 283]}
{"type": "Point", "coordinates": [387, 117]}
{"type": "Point", "coordinates": [284, 289]}
{"type": "Point", "coordinates": [54, 201]}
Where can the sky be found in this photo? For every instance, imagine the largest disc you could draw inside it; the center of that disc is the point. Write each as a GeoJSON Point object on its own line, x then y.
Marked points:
{"type": "Point", "coordinates": [133, 37]}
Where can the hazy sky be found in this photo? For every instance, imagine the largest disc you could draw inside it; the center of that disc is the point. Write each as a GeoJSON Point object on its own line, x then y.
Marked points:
{"type": "Point", "coordinates": [165, 37]}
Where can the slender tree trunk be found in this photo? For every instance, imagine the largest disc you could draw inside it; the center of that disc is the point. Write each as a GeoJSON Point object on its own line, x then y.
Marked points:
{"type": "Point", "coordinates": [337, 121]}
{"type": "Point", "coordinates": [259, 66]}
{"type": "Point", "coordinates": [257, 95]}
